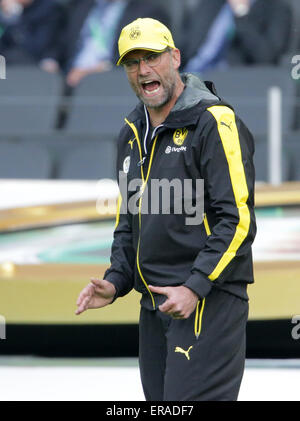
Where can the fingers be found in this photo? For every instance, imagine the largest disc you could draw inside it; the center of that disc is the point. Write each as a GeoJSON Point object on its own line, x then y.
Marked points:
{"type": "Point", "coordinates": [95, 295]}
{"type": "Point", "coordinates": [84, 297]}
{"type": "Point", "coordinates": [83, 305]}
{"type": "Point", "coordinates": [97, 282]}
{"type": "Point", "coordinates": [99, 285]}
{"type": "Point", "coordinates": [169, 306]}
{"type": "Point", "coordinates": [174, 308]}
{"type": "Point", "coordinates": [159, 290]}
{"type": "Point", "coordinates": [170, 310]}
{"type": "Point", "coordinates": [87, 291]}
{"type": "Point", "coordinates": [102, 287]}
{"type": "Point", "coordinates": [180, 303]}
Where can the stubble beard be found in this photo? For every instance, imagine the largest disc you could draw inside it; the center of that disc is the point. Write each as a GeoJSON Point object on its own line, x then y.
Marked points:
{"type": "Point", "coordinates": [169, 90]}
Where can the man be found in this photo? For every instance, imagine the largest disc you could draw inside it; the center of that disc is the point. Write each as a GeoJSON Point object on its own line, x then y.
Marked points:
{"type": "Point", "coordinates": [192, 276]}
{"type": "Point", "coordinates": [89, 38]}
{"type": "Point", "coordinates": [28, 30]}
{"type": "Point", "coordinates": [236, 32]}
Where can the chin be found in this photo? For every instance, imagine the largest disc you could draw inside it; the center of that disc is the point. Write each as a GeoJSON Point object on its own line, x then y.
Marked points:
{"type": "Point", "coordinates": [154, 103]}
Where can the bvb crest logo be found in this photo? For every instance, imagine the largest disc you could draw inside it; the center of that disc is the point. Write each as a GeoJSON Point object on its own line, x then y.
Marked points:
{"type": "Point", "coordinates": [179, 136]}
{"type": "Point", "coordinates": [135, 33]}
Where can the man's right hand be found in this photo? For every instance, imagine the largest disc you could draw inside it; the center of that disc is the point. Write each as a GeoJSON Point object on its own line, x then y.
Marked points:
{"type": "Point", "coordinates": [98, 293]}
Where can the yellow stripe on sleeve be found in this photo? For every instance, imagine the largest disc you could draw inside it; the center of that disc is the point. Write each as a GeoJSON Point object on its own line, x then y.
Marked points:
{"type": "Point", "coordinates": [228, 132]}
{"type": "Point", "coordinates": [118, 210]}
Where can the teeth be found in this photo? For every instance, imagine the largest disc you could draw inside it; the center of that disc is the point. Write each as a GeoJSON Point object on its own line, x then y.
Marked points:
{"type": "Point", "coordinates": [152, 92]}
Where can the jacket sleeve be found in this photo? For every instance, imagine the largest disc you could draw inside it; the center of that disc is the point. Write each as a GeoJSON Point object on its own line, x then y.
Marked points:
{"type": "Point", "coordinates": [121, 271]}
{"type": "Point", "coordinates": [227, 169]}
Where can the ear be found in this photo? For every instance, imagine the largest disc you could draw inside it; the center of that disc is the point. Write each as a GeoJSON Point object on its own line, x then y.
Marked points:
{"type": "Point", "coordinates": [176, 58]}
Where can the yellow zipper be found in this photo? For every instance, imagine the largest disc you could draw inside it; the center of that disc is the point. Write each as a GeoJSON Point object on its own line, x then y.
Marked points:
{"type": "Point", "coordinates": [133, 128]}
{"type": "Point", "coordinates": [140, 201]}
{"type": "Point", "coordinates": [198, 317]}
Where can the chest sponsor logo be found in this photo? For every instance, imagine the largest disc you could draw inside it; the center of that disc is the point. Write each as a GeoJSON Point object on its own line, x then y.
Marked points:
{"type": "Point", "coordinates": [126, 164]}
{"type": "Point", "coordinates": [170, 149]}
{"type": "Point", "coordinates": [179, 136]}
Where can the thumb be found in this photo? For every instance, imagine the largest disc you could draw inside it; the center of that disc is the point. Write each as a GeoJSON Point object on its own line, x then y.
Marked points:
{"type": "Point", "coordinates": [159, 290]}
{"type": "Point", "coordinates": [97, 282]}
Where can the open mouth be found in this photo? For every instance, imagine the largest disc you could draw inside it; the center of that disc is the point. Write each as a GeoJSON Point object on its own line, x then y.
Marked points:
{"type": "Point", "coordinates": [151, 87]}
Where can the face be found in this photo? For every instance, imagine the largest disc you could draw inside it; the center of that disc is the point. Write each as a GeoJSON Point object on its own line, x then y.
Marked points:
{"type": "Point", "coordinates": [155, 86]}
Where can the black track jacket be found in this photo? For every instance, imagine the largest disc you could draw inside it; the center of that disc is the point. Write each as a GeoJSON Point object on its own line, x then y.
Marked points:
{"type": "Point", "coordinates": [202, 138]}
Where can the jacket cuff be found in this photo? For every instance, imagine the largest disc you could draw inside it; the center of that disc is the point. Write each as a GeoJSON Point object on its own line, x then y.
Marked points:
{"type": "Point", "coordinates": [120, 283]}
{"type": "Point", "coordinates": [199, 283]}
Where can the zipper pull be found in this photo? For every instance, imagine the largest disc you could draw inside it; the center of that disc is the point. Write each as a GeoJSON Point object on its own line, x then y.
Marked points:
{"type": "Point", "coordinates": [140, 163]}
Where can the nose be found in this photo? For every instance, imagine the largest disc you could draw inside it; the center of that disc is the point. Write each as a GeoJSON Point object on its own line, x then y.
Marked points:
{"type": "Point", "coordinates": [144, 68]}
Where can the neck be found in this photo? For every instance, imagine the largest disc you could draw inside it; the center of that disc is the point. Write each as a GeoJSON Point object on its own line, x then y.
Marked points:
{"type": "Point", "coordinates": [158, 115]}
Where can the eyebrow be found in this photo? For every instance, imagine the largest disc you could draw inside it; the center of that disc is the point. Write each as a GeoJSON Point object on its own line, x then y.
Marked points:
{"type": "Point", "coordinates": [146, 55]}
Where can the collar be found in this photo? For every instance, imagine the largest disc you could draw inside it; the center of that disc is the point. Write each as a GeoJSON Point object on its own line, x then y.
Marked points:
{"type": "Point", "coordinates": [197, 94]}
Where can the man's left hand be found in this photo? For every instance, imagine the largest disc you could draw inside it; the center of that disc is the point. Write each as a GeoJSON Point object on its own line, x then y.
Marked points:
{"type": "Point", "coordinates": [181, 301]}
